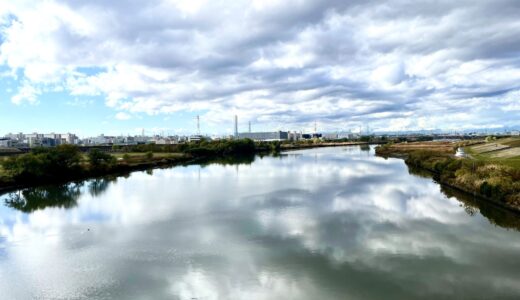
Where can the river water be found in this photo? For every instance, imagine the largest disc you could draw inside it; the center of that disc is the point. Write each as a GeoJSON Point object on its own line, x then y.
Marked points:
{"type": "Point", "coordinates": [328, 223]}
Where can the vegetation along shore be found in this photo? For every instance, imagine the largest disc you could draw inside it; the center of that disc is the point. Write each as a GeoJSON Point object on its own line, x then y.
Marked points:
{"type": "Point", "coordinates": [488, 168]}
{"type": "Point", "coordinates": [68, 163]}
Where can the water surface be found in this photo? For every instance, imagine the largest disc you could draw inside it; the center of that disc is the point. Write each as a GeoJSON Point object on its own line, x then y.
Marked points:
{"type": "Point", "coordinates": [328, 223]}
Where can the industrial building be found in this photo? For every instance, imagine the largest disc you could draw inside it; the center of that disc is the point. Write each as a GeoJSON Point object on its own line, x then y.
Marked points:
{"type": "Point", "coordinates": [265, 136]}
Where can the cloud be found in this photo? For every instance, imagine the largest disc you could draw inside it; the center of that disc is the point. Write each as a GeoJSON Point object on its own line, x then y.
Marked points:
{"type": "Point", "coordinates": [277, 63]}
{"type": "Point", "coordinates": [26, 93]}
{"type": "Point", "coordinates": [122, 116]}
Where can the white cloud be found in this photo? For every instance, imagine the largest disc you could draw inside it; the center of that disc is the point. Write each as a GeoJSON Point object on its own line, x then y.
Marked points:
{"type": "Point", "coordinates": [26, 93]}
{"type": "Point", "coordinates": [274, 62]}
{"type": "Point", "coordinates": [122, 116]}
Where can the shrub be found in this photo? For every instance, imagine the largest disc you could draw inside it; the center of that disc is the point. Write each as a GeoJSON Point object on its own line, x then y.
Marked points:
{"type": "Point", "coordinates": [44, 163]}
{"type": "Point", "coordinates": [100, 160]}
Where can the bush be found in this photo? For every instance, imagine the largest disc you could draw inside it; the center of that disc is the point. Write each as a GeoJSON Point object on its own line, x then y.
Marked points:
{"type": "Point", "coordinates": [44, 163]}
{"type": "Point", "coordinates": [491, 191]}
{"type": "Point", "coordinates": [149, 155]}
{"type": "Point", "coordinates": [100, 160]}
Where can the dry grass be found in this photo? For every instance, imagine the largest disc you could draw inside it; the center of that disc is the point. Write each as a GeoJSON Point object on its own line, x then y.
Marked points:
{"type": "Point", "coordinates": [488, 147]}
{"type": "Point", "coordinates": [512, 142]}
{"type": "Point", "coordinates": [506, 153]}
{"type": "Point", "coordinates": [446, 147]}
{"type": "Point", "coordinates": [502, 149]}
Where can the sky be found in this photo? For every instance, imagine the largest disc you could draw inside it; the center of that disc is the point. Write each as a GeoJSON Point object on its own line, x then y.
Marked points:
{"type": "Point", "coordinates": [117, 67]}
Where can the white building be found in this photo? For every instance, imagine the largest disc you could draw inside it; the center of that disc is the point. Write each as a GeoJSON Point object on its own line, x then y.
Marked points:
{"type": "Point", "coordinates": [330, 136]}
{"type": "Point", "coordinates": [294, 136]}
{"type": "Point", "coordinates": [195, 138]}
{"type": "Point", "coordinates": [265, 136]}
{"type": "Point", "coordinates": [5, 142]}
{"type": "Point", "coordinates": [69, 138]}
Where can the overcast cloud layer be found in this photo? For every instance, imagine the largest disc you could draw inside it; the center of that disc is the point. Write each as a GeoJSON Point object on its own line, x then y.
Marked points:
{"type": "Point", "coordinates": [395, 64]}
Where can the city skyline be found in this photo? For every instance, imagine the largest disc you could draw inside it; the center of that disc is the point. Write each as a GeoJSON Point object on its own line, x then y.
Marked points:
{"type": "Point", "coordinates": [89, 69]}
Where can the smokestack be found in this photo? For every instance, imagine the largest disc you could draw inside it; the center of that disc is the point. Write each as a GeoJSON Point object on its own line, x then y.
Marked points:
{"type": "Point", "coordinates": [249, 126]}
{"type": "Point", "coordinates": [198, 125]}
{"type": "Point", "coordinates": [236, 126]}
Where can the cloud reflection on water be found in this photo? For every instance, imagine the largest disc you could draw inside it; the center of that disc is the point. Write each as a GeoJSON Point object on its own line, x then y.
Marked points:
{"type": "Point", "coordinates": [324, 223]}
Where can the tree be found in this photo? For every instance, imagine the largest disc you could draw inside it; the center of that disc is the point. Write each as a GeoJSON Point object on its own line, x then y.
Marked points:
{"type": "Point", "coordinates": [100, 160]}
{"type": "Point", "coordinates": [65, 157]}
{"type": "Point", "coordinates": [45, 163]}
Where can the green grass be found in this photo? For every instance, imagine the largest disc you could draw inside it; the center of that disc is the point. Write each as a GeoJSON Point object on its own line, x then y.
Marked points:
{"type": "Point", "coordinates": [3, 175]}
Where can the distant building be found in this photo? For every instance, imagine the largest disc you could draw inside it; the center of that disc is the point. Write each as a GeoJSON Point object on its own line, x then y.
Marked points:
{"type": "Point", "coordinates": [347, 135]}
{"type": "Point", "coordinates": [330, 136]}
{"type": "Point", "coordinates": [195, 138]}
{"type": "Point", "coordinates": [265, 136]}
{"type": "Point", "coordinates": [294, 136]}
{"type": "Point", "coordinates": [165, 140]}
{"type": "Point", "coordinates": [100, 140]}
{"type": "Point", "coordinates": [5, 142]}
{"type": "Point", "coordinates": [16, 136]}
{"type": "Point", "coordinates": [69, 138]}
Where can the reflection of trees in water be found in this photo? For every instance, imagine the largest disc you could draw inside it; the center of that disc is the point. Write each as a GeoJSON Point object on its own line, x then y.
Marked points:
{"type": "Point", "coordinates": [472, 205]}
{"type": "Point", "coordinates": [364, 147]}
{"type": "Point", "coordinates": [495, 214]}
{"type": "Point", "coordinates": [230, 160]}
{"type": "Point", "coordinates": [63, 196]}
{"type": "Point", "coordinates": [33, 199]}
{"type": "Point", "coordinates": [419, 172]}
{"type": "Point", "coordinates": [98, 186]}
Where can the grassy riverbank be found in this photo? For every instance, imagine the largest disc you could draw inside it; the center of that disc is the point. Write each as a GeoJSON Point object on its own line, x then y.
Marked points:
{"type": "Point", "coordinates": [490, 177]}
{"type": "Point", "coordinates": [67, 163]}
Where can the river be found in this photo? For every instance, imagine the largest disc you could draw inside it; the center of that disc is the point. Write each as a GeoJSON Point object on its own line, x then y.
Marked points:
{"type": "Point", "coordinates": [326, 223]}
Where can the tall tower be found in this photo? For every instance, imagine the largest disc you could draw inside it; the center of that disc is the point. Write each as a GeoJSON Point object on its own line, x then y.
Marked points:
{"type": "Point", "coordinates": [315, 127]}
{"type": "Point", "coordinates": [236, 126]}
{"type": "Point", "coordinates": [198, 125]}
{"type": "Point", "coordinates": [249, 126]}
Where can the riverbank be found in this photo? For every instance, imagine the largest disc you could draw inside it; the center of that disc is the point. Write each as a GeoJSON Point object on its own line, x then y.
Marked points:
{"type": "Point", "coordinates": [66, 163]}
{"type": "Point", "coordinates": [121, 168]}
{"type": "Point", "coordinates": [300, 146]}
{"type": "Point", "coordinates": [495, 181]}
